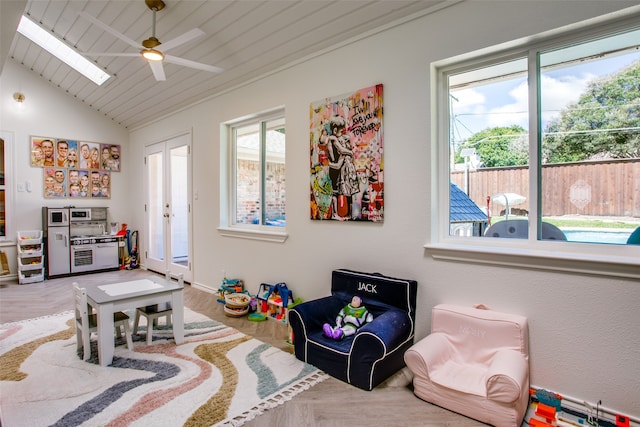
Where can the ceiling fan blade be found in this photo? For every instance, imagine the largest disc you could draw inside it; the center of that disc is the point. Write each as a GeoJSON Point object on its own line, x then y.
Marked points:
{"type": "Point", "coordinates": [185, 38]}
{"type": "Point", "coordinates": [192, 64]}
{"type": "Point", "coordinates": [109, 54]}
{"type": "Point", "coordinates": [110, 30]}
{"type": "Point", "coordinates": [158, 70]}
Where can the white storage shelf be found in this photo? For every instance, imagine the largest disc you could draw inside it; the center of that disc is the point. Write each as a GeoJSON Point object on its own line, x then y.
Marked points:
{"type": "Point", "coordinates": [30, 256]}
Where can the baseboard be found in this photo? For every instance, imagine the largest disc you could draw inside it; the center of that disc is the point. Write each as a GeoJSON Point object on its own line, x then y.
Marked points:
{"type": "Point", "coordinates": [204, 288]}
{"type": "Point", "coordinates": [577, 411]}
{"type": "Point", "coordinates": [8, 277]}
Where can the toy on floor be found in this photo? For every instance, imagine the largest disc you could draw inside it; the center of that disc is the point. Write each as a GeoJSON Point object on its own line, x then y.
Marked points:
{"type": "Point", "coordinates": [546, 397]}
{"type": "Point", "coordinates": [230, 286]}
{"type": "Point", "coordinates": [236, 305]}
{"type": "Point", "coordinates": [351, 318]}
{"type": "Point", "coordinates": [257, 317]}
{"type": "Point", "coordinates": [274, 301]}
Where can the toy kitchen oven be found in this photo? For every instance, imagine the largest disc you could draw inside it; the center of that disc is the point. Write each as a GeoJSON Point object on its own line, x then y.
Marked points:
{"type": "Point", "coordinates": [77, 242]}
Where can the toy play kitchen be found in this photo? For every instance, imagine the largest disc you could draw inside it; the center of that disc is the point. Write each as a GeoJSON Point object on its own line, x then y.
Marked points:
{"type": "Point", "coordinates": [76, 241]}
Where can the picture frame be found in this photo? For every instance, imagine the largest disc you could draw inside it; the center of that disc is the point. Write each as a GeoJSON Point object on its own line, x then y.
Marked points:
{"type": "Point", "coordinates": [346, 156]}
{"type": "Point", "coordinates": [55, 182]}
{"type": "Point", "coordinates": [73, 168]}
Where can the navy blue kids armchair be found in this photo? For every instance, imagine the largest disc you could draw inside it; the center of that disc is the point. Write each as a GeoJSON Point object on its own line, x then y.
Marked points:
{"type": "Point", "coordinates": [377, 349]}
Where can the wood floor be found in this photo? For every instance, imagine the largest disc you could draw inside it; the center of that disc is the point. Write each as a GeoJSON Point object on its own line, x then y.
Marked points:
{"type": "Point", "coordinates": [329, 403]}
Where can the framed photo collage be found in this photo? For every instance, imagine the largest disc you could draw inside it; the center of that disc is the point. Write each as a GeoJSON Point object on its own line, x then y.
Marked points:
{"type": "Point", "coordinates": [75, 169]}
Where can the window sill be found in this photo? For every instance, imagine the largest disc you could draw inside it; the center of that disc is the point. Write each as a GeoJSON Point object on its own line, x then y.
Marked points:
{"type": "Point", "coordinates": [262, 235]}
{"type": "Point", "coordinates": [569, 262]}
{"type": "Point", "coordinates": [4, 241]}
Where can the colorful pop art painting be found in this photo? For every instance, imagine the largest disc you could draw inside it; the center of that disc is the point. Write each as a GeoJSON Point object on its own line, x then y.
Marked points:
{"type": "Point", "coordinates": [347, 163]}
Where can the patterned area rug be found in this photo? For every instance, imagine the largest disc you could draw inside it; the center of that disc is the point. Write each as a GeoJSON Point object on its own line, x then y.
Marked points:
{"type": "Point", "coordinates": [219, 376]}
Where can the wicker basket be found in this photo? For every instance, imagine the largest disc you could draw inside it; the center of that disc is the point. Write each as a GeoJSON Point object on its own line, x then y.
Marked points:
{"type": "Point", "coordinates": [235, 312]}
{"type": "Point", "coordinates": [236, 305]}
{"type": "Point", "coordinates": [237, 300]}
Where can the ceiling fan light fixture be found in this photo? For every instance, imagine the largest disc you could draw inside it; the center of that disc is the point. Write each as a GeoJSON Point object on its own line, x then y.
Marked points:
{"type": "Point", "coordinates": [152, 55]}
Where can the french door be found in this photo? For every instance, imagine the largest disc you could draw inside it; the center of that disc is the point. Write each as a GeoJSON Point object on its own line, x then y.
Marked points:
{"type": "Point", "coordinates": [168, 206]}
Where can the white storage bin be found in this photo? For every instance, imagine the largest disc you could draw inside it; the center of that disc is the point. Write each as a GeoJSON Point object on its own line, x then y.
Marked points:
{"type": "Point", "coordinates": [30, 263]}
{"type": "Point", "coordinates": [31, 250]}
{"type": "Point", "coordinates": [29, 237]}
{"type": "Point", "coordinates": [30, 276]}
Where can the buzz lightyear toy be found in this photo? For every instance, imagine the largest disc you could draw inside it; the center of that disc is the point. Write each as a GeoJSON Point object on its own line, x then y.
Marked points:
{"type": "Point", "coordinates": [351, 318]}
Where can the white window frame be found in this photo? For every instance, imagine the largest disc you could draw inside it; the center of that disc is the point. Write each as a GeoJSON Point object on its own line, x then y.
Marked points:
{"type": "Point", "coordinates": [599, 259]}
{"type": "Point", "coordinates": [228, 227]}
{"type": "Point", "coordinates": [9, 191]}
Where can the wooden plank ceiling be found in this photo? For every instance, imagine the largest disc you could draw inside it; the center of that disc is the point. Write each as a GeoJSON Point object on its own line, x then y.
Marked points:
{"type": "Point", "coordinates": [246, 38]}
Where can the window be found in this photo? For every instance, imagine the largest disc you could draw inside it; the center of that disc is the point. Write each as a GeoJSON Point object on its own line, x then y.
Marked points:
{"type": "Point", "coordinates": [257, 196]}
{"type": "Point", "coordinates": [542, 144]}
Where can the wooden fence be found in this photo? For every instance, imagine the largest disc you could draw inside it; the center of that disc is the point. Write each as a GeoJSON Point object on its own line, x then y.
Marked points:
{"type": "Point", "coordinates": [594, 188]}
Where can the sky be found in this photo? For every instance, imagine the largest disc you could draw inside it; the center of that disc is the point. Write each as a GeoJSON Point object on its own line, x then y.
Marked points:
{"type": "Point", "coordinates": [505, 103]}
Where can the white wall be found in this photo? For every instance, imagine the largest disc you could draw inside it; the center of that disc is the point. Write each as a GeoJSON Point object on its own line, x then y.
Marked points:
{"type": "Point", "coordinates": [584, 330]}
{"type": "Point", "coordinates": [48, 112]}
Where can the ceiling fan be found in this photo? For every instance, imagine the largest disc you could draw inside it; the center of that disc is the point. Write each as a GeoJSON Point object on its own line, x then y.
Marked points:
{"type": "Point", "coordinates": [149, 48]}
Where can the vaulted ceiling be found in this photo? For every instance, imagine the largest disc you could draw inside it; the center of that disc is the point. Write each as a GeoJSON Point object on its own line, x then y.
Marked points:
{"type": "Point", "coordinates": [246, 38]}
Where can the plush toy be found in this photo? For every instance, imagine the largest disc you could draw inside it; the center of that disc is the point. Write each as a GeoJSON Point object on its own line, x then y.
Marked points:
{"type": "Point", "coordinates": [351, 318]}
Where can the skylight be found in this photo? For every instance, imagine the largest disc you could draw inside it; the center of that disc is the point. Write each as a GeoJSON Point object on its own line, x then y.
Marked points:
{"type": "Point", "coordinates": [60, 50]}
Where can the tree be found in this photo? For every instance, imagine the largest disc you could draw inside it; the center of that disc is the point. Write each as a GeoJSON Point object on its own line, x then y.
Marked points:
{"type": "Point", "coordinates": [604, 123]}
{"type": "Point", "coordinates": [500, 146]}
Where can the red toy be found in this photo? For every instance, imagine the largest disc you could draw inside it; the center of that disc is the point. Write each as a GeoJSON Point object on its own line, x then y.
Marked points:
{"type": "Point", "coordinates": [547, 412]}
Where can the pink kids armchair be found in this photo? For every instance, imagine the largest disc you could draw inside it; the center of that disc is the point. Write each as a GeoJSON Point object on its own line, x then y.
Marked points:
{"type": "Point", "coordinates": [474, 362]}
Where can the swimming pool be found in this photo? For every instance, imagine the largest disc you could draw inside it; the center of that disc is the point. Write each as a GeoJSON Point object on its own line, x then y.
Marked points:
{"type": "Point", "coordinates": [604, 236]}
